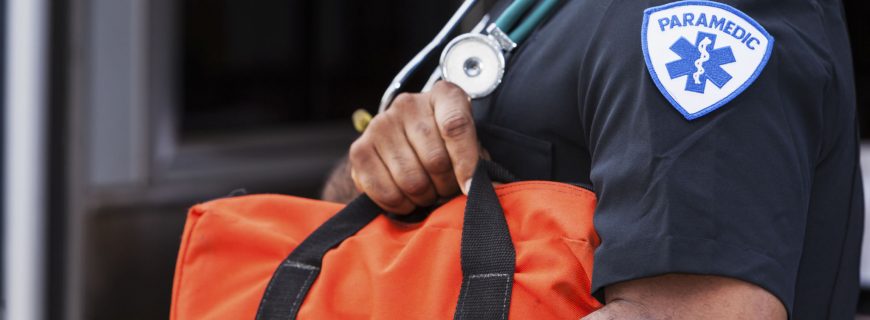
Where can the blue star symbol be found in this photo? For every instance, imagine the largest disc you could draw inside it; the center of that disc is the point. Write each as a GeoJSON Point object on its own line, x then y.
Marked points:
{"type": "Point", "coordinates": [700, 62]}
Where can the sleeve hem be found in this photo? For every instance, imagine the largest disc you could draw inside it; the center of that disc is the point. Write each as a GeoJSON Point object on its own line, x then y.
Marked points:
{"type": "Point", "coordinates": [658, 256]}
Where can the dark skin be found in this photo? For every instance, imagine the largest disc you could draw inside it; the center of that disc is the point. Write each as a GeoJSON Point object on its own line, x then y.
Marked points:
{"type": "Point", "coordinates": [418, 151]}
{"type": "Point", "coordinates": [685, 296]}
{"type": "Point", "coordinates": [424, 147]}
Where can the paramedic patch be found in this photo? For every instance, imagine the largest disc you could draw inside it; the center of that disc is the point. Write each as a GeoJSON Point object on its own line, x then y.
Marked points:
{"type": "Point", "coordinates": [702, 54]}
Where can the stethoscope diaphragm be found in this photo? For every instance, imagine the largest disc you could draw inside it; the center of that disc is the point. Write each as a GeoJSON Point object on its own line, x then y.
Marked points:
{"type": "Point", "coordinates": [475, 63]}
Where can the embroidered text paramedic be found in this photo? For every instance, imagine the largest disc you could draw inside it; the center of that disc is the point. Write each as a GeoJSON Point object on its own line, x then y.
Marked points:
{"type": "Point", "coordinates": [688, 44]}
{"type": "Point", "coordinates": [714, 22]}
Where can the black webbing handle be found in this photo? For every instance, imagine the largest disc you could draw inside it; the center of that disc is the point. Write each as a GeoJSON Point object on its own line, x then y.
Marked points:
{"type": "Point", "coordinates": [294, 276]}
{"type": "Point", "coordinates": [487, 254]}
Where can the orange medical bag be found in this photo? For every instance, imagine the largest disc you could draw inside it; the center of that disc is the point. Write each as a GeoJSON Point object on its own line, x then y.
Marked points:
{"type": "Point", "coordinates": [521, 250]}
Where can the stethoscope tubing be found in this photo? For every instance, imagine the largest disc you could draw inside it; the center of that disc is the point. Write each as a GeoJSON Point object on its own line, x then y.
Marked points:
{"type": "Point", "coordinates": [415, 62]}
{"type": "Point", "coordinates": [505, 22]}
{"type": "Point", "coordinates": [541, 12]}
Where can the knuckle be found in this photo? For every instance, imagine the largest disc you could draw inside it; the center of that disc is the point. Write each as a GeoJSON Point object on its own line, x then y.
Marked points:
{"type": "Point", "coordinates": [380, 126]}
{"type": "Point", "coordinates": [414, 183]}
{"type": "Point", "coordinates": [376, 124]}
{"type": "Point", "coordinates": [402, 101]}
{"type": "Point", "coordinates": [401, 162]}
{"type": "Point", "coordinates": [389, 197]}
{"type": "Point", "coordinates": [437, 162]}
{"type": "Point", "coordinates": [424, 128]}
{"type": "Point", "coordinates": [455, 124]}
{"type": "Point", "coordinates": [359, 150]}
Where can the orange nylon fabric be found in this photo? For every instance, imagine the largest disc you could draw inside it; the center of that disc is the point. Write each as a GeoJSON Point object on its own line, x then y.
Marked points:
{"type": "Point", "coordinates": [389, 270]}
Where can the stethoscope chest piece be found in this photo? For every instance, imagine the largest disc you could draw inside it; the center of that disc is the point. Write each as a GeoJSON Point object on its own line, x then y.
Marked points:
{"type": "Point", "coordinates": [475, 63]}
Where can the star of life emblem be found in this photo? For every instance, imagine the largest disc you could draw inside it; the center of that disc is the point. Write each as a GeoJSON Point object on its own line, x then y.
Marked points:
{"type": "Point", "coordinates": [702, 54]}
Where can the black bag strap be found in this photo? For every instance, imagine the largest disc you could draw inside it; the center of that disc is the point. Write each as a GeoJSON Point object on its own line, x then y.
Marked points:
{"type": "Point", "coordinates": [294, 276]}
{"type": "Point", "coordinates": [487, 254]}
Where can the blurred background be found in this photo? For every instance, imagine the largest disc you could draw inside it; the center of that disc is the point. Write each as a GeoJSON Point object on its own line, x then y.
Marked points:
{"type": "Point", "coordinates": [121, 114]}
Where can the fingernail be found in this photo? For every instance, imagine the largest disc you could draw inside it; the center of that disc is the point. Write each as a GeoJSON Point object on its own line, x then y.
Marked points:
{"type": "Point", "coordinates": [466, 186]}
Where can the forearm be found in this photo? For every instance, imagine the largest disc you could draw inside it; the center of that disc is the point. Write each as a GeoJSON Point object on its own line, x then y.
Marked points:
{"type": "Point", "coordinates": [339, 186]}
{"type": "Point", "coordinates": [683, 296]}
{"type": "Point", "coordinates": [623, 309]}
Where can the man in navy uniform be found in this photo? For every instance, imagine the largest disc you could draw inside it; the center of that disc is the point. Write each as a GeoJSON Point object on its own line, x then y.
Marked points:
{"type": "Point", "coordinates": [719, 137]}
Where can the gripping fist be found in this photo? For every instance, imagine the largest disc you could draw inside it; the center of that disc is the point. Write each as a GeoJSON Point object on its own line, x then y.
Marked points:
{"type": "Point", "coordinates": [424, 147]}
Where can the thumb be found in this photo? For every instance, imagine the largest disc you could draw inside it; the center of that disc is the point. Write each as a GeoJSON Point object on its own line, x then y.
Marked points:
{"type": "Point", "coordinates": [464, 178]}
{"type": "Point", "coordinates": [452, 110]}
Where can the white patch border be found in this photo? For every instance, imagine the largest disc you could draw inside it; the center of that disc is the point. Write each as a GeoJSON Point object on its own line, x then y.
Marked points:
{"type": "Point", "coordinates": [723, 101]}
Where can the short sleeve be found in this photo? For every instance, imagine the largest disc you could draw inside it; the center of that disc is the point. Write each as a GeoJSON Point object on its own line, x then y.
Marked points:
{"type": "Point", "coordinates": [724, 194]}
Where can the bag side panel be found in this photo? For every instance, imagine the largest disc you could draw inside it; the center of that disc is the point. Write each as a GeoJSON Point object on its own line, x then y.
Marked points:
{"type": "Point", "coordinates": [232, 248]}
{"type": "Point", "coordinates": [192, 217]}
{"type": "Point", "coordinates": [551, 226]}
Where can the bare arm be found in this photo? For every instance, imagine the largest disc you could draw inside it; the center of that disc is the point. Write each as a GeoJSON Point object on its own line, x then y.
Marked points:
{"type": "Point", "coordinates": [683, 296]}
{"type": "Point", "coordinates": [339, 186]}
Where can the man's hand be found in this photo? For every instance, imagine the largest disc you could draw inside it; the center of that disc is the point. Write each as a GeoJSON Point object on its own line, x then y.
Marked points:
{"type": "Point", "coordinates": [422, 148]}
{"type": "Point", "coordinates": [683, 296]}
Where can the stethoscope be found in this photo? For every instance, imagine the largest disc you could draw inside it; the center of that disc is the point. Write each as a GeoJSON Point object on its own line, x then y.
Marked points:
{"type": "Point", "coordinates": [473, 61]}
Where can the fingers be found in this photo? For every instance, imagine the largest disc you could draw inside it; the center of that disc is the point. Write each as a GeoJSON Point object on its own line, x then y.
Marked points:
{"type": "Point", "coordinates": [372, 177]}
{"type": "Point", "coordinates": [452, 110]}
{"type": "Point", "coordinates": [423, 147]}
{"type": "Point", "coordinates": [423, 135]}
{"type": "Point", "coordinates": [401, 161]}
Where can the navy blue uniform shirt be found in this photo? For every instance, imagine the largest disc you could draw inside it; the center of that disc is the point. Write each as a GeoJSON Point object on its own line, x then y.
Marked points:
{"type": "Point", "coordinates": [765, 189]}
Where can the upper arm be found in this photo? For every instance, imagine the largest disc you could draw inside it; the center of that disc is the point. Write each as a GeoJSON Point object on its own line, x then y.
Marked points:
{"type": "Point", "coordinates": [726, 194]}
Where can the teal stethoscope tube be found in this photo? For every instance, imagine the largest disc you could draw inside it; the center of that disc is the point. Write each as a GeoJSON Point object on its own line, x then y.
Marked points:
{"type": "Point", "coordinates": [506, 21]}
{"type": "Point", "coordinates": [512, 14]}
